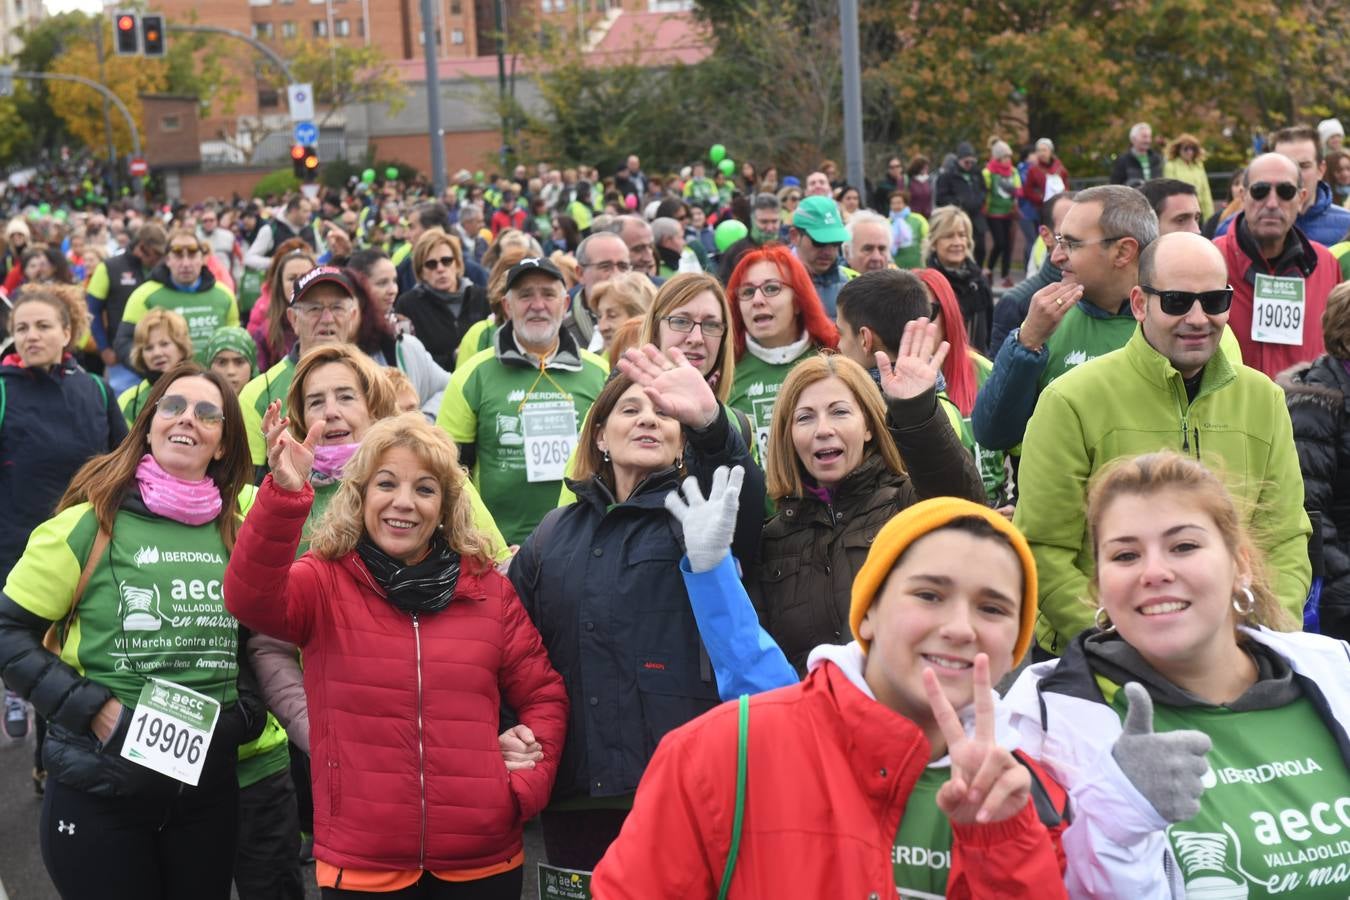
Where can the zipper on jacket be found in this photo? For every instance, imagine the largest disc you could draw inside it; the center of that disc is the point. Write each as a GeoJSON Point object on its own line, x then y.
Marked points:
{"type": "Point", "coordinates": [421, 750]}
{"type": "Point", "coordinates": [1197, 442]}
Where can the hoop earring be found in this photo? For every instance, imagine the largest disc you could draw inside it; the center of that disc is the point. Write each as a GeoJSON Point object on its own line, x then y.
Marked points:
{"type": "Point", "coordinates": [1103, 621]}
{"type": "Point", "coordinates": [1250, 606]}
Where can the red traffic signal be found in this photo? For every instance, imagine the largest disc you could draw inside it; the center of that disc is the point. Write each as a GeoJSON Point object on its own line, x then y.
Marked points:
{"type": "Point", "coordinates": [152, 31]}
{"type": "Point", "coordinates": [126, 33]}
{"type": "Point", "coordinates": [298, 160]}
{"type": "Point", "coordinates": [311, 163]}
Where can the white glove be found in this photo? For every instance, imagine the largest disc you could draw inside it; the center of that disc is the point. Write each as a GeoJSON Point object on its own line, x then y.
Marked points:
{"type": "Point", "coordinates": [708, 524]}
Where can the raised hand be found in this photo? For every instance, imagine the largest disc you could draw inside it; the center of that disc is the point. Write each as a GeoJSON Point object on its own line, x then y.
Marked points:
{"type": "Point", "coordinates": [674, 386]}
{"type": "Point", "coordinates": [917, 364]}
{"type": "Point", "coordinates": [1167, 768]}
{"type": "Point", "coordinates": [290, 460]}
{"type": "Point", "coordinates": [709, 525]}
{"type": "Point", "coordinates": [987, 783]}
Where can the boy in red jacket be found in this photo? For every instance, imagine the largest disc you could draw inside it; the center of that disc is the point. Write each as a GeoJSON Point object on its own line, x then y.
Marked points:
{"type": "Point", "coordinates": [863, 781]}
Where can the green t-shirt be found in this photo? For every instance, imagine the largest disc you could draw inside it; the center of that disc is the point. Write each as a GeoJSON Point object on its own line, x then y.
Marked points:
{"type": "Point", "coordinates": [754, 390]}
{"type": "Point", "coordinates": [922, 855]}
{"type": "Point", "coordinates": [254, 399]}
{"type": "Point", "coordinates": [482, 406]}
{"type": "Point", "coordinates": [204, 311]}
{"type": "Point", "coordinates": [992, 464]}
{"type": "Point", "coordinates": [1275, 816]}
{"type": "Point", "coordinates": [152, 606]}
{"type": "Point", "coordinates": [133, 399]}
{"type": "Point", "coordinates": [1081, 337]}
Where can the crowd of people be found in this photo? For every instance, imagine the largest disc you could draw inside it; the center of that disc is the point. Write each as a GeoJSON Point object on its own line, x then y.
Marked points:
{"type": "Point", "coordinates": [757, 534]}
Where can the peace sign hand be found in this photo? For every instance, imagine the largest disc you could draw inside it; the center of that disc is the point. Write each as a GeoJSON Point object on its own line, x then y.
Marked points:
{"type": "Point", "coordinates": [674, 386]}
{"type": "Point", "coordinates": [987, 783]}
{"type": "Point", "coordinates": [290, 460]}
{"type": "Point", "coordinates": [916, 365]}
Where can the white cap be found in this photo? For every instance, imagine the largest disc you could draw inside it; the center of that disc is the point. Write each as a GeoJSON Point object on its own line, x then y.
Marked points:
{"type": "Point", "coordinates": [1329, 127]}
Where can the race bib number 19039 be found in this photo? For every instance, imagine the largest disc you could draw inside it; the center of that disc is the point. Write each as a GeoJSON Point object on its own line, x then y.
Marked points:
{"type": "Point", "coordinates": [1278, 310]}
{"type": "Point", "coordinates": [171, 730]}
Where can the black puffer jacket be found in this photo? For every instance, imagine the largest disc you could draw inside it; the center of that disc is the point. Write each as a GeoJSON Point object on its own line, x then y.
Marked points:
{"type": "Point", "coordinates": [1318, 394]}
{"type": "Point", "coordinates": [976, 300]}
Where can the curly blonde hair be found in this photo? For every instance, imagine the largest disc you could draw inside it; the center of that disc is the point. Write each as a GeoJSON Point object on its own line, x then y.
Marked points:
{"type": "Point", "coordinates": [343, 524]}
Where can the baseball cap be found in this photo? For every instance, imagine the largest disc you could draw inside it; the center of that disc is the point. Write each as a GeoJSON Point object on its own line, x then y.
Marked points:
{"type": "Point", "coordinates": [322, 275]}
{"type": "Point", "coordinates": [819, 217]}
{"type": "Point", "coordinates": [532, 264]}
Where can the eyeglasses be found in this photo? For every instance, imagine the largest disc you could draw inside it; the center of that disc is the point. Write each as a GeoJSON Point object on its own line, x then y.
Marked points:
{"type": "Point", "coordinates": [343, 307]}
{"type": "Point", "coordinates": [435, 263]}
{"type": "Point", "coordinates": [1286, 190]}
{"type": "Point", "coordinates": [608, 267]}
{"type": "Point", "coordinates": [184, 252]}
{"type": "Point", "coordinates": [746, 293]}
{"type": "Point", "coordinates": [1179, 303]}
{"type": "Point", "coordinates": [1072, 245]}
{"type": "Point", "coordinates": [684, 325]}
{"type": "Point", "coordinates": [207, 414]}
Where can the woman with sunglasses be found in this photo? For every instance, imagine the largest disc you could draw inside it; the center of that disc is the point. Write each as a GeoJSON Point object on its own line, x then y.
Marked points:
{"type": "Point", "coordinates": [777, 320]}
{"type": "Point", "coordinates": [440, 307]}
{"type": "Point", "coordinates": [131, 570]}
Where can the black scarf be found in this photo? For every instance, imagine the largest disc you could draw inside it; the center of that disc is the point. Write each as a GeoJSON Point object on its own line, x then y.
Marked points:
{"type": "Point", "coordinates": [424, 587]}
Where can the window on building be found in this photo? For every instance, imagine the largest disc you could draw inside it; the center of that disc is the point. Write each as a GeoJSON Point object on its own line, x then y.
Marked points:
{"type": "Point", "coordinates": [170, 123]}
{"type": "Point", "coordinates": [262, 30]}
{"type": "Point", "coordinates": [455, 8]}
{"type": "Point", "coordinates": [321, 28]}
{"type": "Point", "coordinates": [268, 98]}
{"type": "Point", "coordinates": [288, 29]}
{"type": "Point", "coordinates": [456, 35]}
{"type": "Point", "coordinates": [342, 27]}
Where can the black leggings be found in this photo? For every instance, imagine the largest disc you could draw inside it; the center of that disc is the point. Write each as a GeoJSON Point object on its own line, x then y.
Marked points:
{"type": "Point", "coordinates": [579, 838]}
{"type": "Point", "coordinates": [1001, 231]}
{"type": "Point", "coordinates": [506, 886]}
{"type": "Point", "coordinates": [141, 848]}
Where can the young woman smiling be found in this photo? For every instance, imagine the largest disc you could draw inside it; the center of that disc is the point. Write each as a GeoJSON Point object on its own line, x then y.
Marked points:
{"type": "Point", "coordinates": [140, 538]}
{"type": "Point", "coordinates": [835, 470]}
{"type": "Point", "coordinates": [1206, 754]}
{"type": "Point", "coordinates": [399, 596]}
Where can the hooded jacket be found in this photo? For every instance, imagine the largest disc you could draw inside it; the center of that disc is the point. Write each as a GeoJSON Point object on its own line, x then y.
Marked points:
{"type": "Point", "coordinates": [436, 321]}
{"type": "Point", "coordinates": [961, 187]}
{"type": "Point", "coordinates": [1319, 407]}
{"type": "Point", "coordinates": [830, 775]}
{"type": "Point", "coordinates": [1237, 423]}
{"type": "Point", "coordinates": [407, 771]}
{"type": "Point", "coordinates": [206, 305]}
{"type": "Point", "coordinates": [1303, 259]}
{"type": "Point", "coordinates": [1116, 844]}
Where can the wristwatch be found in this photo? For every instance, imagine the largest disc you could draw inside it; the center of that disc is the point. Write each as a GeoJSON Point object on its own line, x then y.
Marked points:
{"type": "Point", "coordinates": [1017, 336]}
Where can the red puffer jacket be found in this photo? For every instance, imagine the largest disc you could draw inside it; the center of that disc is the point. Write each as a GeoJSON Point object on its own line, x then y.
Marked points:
{"type": "Point", "coordinates": [403, 709]}
{"type": "Point", "coordinates": [828, 776]}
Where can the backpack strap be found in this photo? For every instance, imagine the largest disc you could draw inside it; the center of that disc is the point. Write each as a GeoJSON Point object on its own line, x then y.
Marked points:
{"type": "Point", "coordinates": [56, 635]}
{"type": "Point", "coordinates": [742, 767]}
{"type": "Point", "coordinates": [3, 399]}
{"type": "Point", "coordinates": [743, 421]}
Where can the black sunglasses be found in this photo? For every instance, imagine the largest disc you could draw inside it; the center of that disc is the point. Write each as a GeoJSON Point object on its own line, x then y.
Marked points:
{"type": "Point", "coordinates": [436, 263]}
{"type": "Point", "coordinates": [1287, 190]}
{"type": "Point", "coordinates": [171, 406]}
{"type": "Point", "coordinates": [1179, 303]}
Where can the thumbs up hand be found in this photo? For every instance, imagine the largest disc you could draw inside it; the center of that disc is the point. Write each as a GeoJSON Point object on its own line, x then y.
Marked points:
{"type": "Point", "coordinates": [1167, 768]}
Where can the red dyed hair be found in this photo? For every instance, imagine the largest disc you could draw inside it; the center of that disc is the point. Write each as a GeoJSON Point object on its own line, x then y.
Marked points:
{"type": "Point", "coordinates": [804, 297]}
{"type": "Point", "coordinates": [958, 369]}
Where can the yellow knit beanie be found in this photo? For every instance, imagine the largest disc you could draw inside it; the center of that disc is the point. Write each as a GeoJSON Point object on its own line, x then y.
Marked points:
{"type": "Point", "coordinates": [921, 519]}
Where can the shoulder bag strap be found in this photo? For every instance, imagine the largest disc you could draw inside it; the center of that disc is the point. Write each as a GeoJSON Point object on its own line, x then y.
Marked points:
{"type": "Point", "coordinates": [742, 765]}
{"type": "Point", "coordinates": [55, 639]}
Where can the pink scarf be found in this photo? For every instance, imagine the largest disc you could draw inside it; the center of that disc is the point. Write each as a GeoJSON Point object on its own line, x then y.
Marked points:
{"type": "Point", "coordinates": [188, 502]}
{"type": "Point", "coordinates": [330, 459]}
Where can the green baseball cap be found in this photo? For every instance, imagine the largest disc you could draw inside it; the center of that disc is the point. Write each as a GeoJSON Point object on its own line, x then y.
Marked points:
{"type": "Point", "coordinates": [819, 217]}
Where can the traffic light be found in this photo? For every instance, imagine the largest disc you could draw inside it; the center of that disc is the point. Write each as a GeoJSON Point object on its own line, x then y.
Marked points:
{"type": "Point", "coordinates": [126, 33]}
{"type": "Point", "coordinates": [310, 162]}
{"type": "Point", "coordinates": [152, 31]}
{"type": "Point", "coordinates": [298, 160]}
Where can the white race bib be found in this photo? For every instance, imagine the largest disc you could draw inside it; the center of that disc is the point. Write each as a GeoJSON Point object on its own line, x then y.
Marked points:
{"type": "Point", "coordinates": [550, 431]}
{"type": "Point", "coordinates": [1278, 310]}
{"type": "Point", "coordinates": [171, 730]}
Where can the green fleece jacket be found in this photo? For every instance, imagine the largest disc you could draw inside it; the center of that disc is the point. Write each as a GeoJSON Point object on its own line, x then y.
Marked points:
{"type": "Point", "coordinates": [1132, 401]}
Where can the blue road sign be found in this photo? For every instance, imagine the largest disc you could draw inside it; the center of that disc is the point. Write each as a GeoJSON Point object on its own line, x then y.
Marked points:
{"type": "Point", "coordinates": [306, 133]}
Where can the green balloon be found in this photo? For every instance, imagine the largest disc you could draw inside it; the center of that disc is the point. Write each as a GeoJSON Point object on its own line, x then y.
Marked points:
{"type": "Point", "coordinates": [391, 173]}
{"type": "Point", "coordinates": [728, 232]}
{"type": "Point", "coordinates": [717, 153]}
{"type": "Point", "coordinates": [368, 176]}
{"type": "Point", "coordinates": [61, 215]}
{"type": "Point", "coordinates": [478, 176]}
{"type": "Point", "coordinates": [727, 167]}
{"type": "Point", "coordinates": [45, 209]}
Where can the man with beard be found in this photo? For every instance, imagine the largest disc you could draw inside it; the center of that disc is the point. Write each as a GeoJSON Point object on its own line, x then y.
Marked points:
{"type": "Point", "coordinates": [515, 408]}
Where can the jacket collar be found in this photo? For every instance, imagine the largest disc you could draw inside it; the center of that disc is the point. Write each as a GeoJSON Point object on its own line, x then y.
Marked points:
{"type": "Point", "coordinates": [863, 482]}
{"type": "Point", "coordinates": [1299, 254]}
{"type": "Point", "coordinates": [565, 359]}
{"type": "Point", "coordinates": [1158, 369]}
{"type": "Point", "coordinates": [205, 280]}
{"type": "Point", "coordinates": [649, 493]}
{"type": "Point", "coordinates": [470, 585]}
